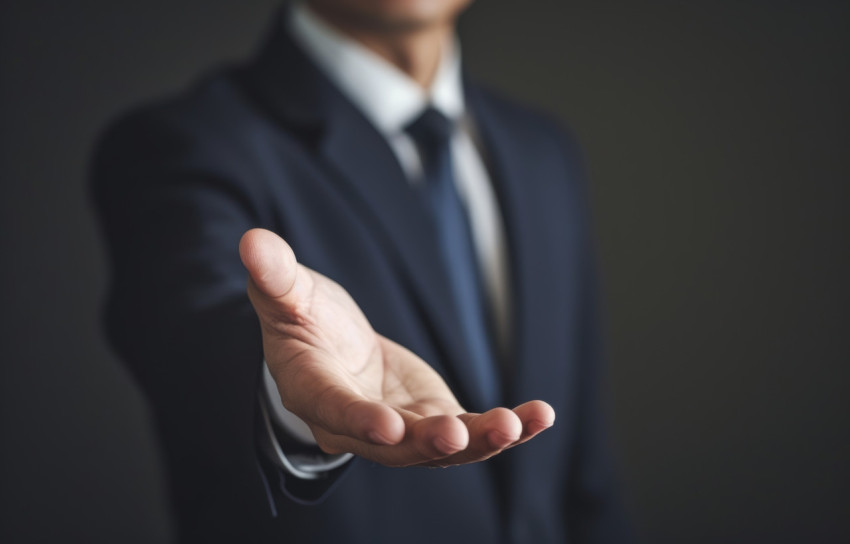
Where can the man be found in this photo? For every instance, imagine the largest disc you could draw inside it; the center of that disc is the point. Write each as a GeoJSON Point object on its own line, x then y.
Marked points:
{"type": "Point", "coordinates": [457, 222]}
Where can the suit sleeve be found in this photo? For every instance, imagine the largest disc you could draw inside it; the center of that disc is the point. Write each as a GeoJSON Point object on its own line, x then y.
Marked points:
{"type": "Point", "coordinates": [594, 503]}
{"type": "Point", "coordinates": [174, 201]}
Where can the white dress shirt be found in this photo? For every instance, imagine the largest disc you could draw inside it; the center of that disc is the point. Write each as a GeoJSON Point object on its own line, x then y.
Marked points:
{"type": "Point", "coordinates": [391, 100]}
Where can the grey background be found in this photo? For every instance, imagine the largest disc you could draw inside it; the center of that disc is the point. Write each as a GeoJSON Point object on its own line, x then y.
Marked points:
{"type": "Point", "coordinates": [717, 134]}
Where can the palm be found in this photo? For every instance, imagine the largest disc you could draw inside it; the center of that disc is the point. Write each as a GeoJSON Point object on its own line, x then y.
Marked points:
{"type": "Point", "coordinates": [358, 391]}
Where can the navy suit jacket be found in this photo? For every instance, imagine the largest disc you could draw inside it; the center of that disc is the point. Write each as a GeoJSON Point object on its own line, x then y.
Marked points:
{"type": "Point", "coordinates": [272, 143]}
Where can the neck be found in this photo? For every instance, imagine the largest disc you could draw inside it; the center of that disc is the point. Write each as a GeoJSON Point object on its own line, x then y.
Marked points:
{"type": "Point", "coordinates": [418, 56]}
{"type": "Point", "coordinates": [415, 50]}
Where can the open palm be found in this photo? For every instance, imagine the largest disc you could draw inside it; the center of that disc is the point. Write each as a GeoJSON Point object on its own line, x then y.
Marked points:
{"type": "Point", "coordinates": [358, 391]}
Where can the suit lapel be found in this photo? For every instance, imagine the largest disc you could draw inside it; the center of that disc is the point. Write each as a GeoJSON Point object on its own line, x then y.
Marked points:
{"type": "Point", "coordinates": [367, 165]}
{"type": "Point", "coordinates": [364, 167]}
{"type": "Point", "coordinates": [522, 209]}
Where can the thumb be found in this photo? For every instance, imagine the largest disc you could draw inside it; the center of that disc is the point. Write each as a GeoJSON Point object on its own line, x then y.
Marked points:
{"type": "Point", "coordinates": [270, 263]}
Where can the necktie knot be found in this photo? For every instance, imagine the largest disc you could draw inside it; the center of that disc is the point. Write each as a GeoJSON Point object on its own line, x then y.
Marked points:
{"type": "Point", "coordinates": [431, 130]}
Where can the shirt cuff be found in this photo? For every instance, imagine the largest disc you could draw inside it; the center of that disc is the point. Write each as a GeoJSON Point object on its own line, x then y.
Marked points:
{"type": "Point", "coordinates": [307, 463]}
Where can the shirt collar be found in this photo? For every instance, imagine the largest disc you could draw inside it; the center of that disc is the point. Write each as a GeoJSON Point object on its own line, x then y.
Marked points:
{"type": "Point", "coordinates": [386, 96]}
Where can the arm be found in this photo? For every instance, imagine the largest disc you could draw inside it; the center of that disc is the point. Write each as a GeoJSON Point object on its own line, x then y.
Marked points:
{"type": "Point", "coordinates": [173, 211]}
{"type": "Point", "coordinates": [595, 512]}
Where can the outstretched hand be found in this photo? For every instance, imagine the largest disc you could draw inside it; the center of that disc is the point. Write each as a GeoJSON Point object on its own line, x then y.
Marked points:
{"type": "Point", "coordinates": [358, 391]}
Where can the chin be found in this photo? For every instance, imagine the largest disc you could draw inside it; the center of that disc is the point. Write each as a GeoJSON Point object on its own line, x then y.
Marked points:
{"type": "Point", "coordinates": [394, 14]}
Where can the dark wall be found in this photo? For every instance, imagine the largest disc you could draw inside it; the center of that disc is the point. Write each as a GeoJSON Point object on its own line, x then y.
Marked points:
{"type": "Point", "coordinates": [718, 140]}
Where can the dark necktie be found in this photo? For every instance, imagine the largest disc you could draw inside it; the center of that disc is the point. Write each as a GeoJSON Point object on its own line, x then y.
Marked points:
{"type": "Point", "coordinates": [432, 132]}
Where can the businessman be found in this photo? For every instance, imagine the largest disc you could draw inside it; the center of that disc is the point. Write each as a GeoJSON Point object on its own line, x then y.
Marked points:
{"type": "Point", "coordinates": [418, 272]}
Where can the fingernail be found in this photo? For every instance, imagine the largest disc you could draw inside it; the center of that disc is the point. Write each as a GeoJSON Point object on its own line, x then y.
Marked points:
{"type": "Point", "coordinates": [499, 440]}
{"type": "Point", "coordinates": [376, 437]}
{"type": "Point", "coordinates": [538, 426]}
{"type": "Point", "coordinates": [444, 446]}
